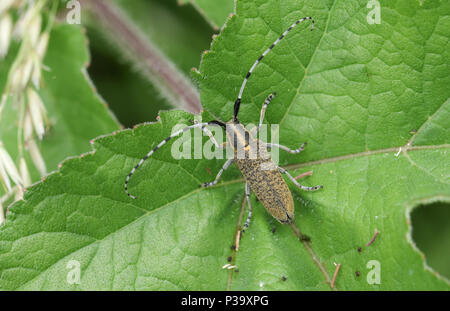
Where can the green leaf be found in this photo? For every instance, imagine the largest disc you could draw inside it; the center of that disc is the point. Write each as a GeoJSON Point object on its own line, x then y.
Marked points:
{"type": "Point", "coordinates": [369, 99]}
{"type": "Point", "coordinates": [215, 12]}
{"type": "Point", "coordinates": [76, 112]}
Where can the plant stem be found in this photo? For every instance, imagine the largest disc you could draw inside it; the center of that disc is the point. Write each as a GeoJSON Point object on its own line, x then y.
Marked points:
{"type": "Point", "coordinates": [172, 83]}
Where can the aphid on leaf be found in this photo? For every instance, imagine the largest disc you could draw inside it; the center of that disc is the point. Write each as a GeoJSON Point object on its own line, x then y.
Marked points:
{"type": "Point", "coordinates": [261, 174]}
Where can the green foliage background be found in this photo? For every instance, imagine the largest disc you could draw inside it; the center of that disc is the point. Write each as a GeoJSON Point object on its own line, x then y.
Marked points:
{"type": "Point", "coordinates": [371, 101]}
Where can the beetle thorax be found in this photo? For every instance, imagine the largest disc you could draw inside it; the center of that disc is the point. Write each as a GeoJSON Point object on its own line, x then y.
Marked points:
{"type": "Point", "coordinates": [237, 136]}
{"type": "Point", "coordinates": [243, 143]}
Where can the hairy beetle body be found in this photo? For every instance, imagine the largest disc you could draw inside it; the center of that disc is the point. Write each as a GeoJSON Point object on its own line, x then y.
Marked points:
{"type": "Point", "coordinates": [269, 187]}
{"type": "Point", "coordinates": [260, 172]}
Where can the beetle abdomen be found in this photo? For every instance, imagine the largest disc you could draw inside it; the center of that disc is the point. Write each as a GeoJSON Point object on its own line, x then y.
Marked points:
{"type": "Point", "coordinates": [269, 186]}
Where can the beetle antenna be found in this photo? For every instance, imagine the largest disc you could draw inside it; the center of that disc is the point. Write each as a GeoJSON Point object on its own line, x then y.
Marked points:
{"type": "Point", "coordinates": [162, 143]}
{"type": "Point", "coordinates": [237, 104]}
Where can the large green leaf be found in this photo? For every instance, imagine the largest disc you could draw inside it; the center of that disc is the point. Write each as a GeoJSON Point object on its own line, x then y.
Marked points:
{"type": "Point", "coordinates": [372, 102]}
{"type": "Point", "coordinates": [75, 110]}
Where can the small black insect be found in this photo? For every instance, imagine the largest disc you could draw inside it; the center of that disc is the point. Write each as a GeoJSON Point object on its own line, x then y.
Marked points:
{"type": "Point", "coordinates": [305, 238]}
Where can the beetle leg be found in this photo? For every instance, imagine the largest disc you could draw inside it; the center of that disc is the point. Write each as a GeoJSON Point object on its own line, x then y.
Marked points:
{"type": "Point", "coordinates": [293, 151]}
{"type": "Point", "coordinates": [283, 171]}
{"type": "Point", "coordinates": [223, 145]}
{"type": "Point", "coordinates": [224, 167]}
{"type": "Point", "coordinates": [264, 107]}
{"type": "Point", "coordinates": [210, 135]}
{"type": "Point", "coordinates": [250, 209]}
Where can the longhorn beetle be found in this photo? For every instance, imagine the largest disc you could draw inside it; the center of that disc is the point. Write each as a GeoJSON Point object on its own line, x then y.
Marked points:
{"type": "Point", "coordinates": [261, 174]}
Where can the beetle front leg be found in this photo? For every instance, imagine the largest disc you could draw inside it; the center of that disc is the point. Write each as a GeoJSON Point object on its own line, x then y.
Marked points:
{"type": "Point", "coordinates": [208, 133]}
{"type": "Point", "coordinates": [283, 171]}
{"type": "Point", "coordinates": [293, 151]}
{"type": "Point", "coordinates": [263, 109]}
{"type": "Point", "coordinates": [224, 167]}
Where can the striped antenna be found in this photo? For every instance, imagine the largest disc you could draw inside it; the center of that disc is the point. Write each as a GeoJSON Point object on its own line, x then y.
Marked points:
{"type": "Point", "coordinates": [237, 104]}
{"type": "Point", "coordinates": [162, 143]}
